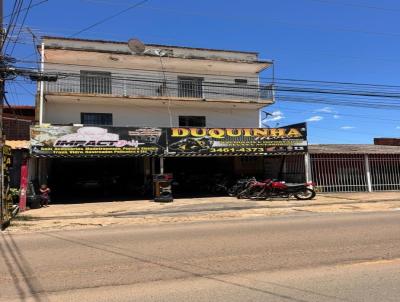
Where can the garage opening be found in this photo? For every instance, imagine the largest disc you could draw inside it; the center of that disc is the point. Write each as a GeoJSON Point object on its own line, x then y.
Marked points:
{"type": "Point", "coordinates": [96, 179]}
{"type": "Point", "coordinates": [206, 176]}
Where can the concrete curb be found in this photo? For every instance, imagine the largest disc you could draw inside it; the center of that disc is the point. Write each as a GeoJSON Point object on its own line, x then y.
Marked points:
{"type": "Point", "coordinates": [222, 209]}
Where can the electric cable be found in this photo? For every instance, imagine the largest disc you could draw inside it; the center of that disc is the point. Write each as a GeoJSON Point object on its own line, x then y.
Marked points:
{"type": "Point", "coordinates": [109, 18]}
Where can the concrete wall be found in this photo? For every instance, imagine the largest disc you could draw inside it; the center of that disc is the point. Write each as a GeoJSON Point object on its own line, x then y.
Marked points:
{"type": "Point", "coordinates": [122, 47]}
{"type": "Point", "coordinates": [128, 115]}
{"type": "Point", "coordinates": [213, 66]}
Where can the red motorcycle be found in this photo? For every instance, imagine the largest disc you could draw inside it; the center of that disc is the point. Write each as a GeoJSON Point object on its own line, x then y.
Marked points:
{"type": "Point", "coordinates": [269, 189]}
{"type": "Point", "coordinates": [301, 191]}
{"type": "Point", "coordinates": [254, 188]}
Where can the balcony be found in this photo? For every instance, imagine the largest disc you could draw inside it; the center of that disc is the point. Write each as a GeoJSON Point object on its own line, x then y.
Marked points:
{"type": "Point", "coordinates": [180, 88]}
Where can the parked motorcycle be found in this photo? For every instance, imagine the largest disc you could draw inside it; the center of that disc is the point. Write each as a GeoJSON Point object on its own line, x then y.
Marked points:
{"type": "Point", "coordinates": [270, 189]}
{"type": "Point", "coordinates": [239, 186]}
{"type": "Point", "coordinates": [301, 191]}
{"type": "Point", "coordinates": [253, 188]}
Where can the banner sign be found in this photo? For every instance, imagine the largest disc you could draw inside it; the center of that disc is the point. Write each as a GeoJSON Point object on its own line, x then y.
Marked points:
{"type": "Point", "coordinates": [214, 141]}
{"type": "Point", "coordinates": [23, 186]}
{"type": "Point", "coordinates": [6, 205]}
{"type": "Point", "coordinates": [82, 141]}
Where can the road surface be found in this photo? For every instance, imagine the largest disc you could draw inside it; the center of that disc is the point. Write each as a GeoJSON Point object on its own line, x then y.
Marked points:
{"type": "Point", "coordinates": [346, 257]}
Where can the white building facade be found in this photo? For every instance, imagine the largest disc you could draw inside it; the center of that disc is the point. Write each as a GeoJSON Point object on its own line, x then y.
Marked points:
{"type": "Point", "coordinates": [107, 85]}
{"type": "Point", "coordinates": [165, 86]}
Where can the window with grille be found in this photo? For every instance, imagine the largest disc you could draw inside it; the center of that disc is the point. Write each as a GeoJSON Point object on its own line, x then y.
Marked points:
{"type": "Point", "coordinates": [190, 87]}
{"type": "Point", "coordinates": [240, 81]}
{"type": "Point", "coordinates": [96, 82]}
{"type": "Point", "coordinates": [102, 119]}
{"type": "Point", "coordinates": [192, 121]}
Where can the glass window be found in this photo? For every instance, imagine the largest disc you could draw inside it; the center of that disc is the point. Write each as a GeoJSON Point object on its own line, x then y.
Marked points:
{"type": "Point", "coordinates": [88, 118]}
{"type": "Point", "coordinates": [190, 87]}
{"type": "Point", "coordinates": [96, 82]}
{"type": "Point", "coordinates": [192, 121]}
{"type": "Point", "coordinates": [240, 81]}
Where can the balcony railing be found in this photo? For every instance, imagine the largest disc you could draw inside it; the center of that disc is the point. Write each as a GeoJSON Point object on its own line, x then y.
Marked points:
{"type": "Point", "coordinates": [187, 88]}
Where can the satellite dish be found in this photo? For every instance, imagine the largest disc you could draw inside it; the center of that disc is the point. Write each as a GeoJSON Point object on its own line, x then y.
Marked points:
{"type": "Point", "coordinates": [136, 46]}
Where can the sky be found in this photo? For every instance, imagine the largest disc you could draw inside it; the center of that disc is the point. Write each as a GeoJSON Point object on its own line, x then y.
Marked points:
{"type": "Point", "coordinates": [356, 41]}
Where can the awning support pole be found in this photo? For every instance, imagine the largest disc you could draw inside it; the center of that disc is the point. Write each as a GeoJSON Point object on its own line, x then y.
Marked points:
{"type": "Point", "coordinates": [161, 165]}
{"type": "Point", "coordinates": [368, 172]}
{"type": "Point", "coordinates": [307, 166]}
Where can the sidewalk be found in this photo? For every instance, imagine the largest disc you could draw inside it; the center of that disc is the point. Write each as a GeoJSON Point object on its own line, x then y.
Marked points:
{"type": "Point", "coordinates": [73, 216]}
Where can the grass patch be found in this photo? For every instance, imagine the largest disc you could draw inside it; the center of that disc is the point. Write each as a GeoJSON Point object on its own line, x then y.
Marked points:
{"type": "Point", "coordinates": [25, 218]}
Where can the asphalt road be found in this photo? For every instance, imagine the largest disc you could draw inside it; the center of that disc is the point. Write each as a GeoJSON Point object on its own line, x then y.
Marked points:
{"type": "Point", "coordinates": [347, 257]}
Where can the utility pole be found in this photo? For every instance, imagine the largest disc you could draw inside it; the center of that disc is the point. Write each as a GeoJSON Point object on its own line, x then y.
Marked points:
{"type": "Point", "coordinates": [2, 90]}
{"type": "Point", "coordinates": [6, 70]}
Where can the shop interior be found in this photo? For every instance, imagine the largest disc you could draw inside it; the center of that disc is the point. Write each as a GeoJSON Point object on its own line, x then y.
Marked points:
{"type": "Point", "coordinates": [76, 180]}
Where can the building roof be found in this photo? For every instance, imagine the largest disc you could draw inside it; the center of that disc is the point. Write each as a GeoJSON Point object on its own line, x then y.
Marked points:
{"type": "Point", "coordinates": [178, 52]}
{"type": "Point", "coordinates": [28, 107]}
{"type": "Point", "coordinates": [153, 45]}
{"type": "Point", "coordinates": [353, 149]}
{"type": "Point", "coordinates": [18, 144]}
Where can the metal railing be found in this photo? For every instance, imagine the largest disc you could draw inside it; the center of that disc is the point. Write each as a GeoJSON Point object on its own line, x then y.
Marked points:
{"type": "Point", "coordinates": [152, 87]}
{"type": "Point", "coordinates": [339, 172]}
{"type": "Point", "coordinates": [385, 172]}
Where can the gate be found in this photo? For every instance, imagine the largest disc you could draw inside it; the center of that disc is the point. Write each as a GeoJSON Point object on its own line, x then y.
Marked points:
{"type": "Point", "coordinates": [339, 172]}
{"type": "Point", "coordinates": [385, 172]}
{"type": "Point", "coordinates": [293, 169]}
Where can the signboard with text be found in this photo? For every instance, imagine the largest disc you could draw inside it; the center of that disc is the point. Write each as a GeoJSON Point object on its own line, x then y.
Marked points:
{"type": "Point", "coordinates": [83, 141]}
{"type": "Point", "coordinates": [215, 141]}
{"type": "Point", "coordinates": [80, 141]}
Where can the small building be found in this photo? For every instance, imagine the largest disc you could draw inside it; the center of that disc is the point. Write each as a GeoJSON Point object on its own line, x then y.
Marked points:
{"type": "Point", "coordinates": [115, 116]}
{"type": "Point", "coordinates": [16, 126]}
{"type": "Point", "coordinates": [355, 168]}
{"type": "Point", "coordinates": [387, 141]}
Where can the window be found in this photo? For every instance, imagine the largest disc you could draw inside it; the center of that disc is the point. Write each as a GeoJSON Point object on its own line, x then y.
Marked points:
{"type": "Point", "coordinates": [192, 121]}
{"type": "Point", "coordinates": [240, 81]}
{"type": "Point", "coordinates": [190, 87]}
{"type": "Point", "coordinates": [103, 119]}
{"type": "Point", "coordinates": [96, 82]}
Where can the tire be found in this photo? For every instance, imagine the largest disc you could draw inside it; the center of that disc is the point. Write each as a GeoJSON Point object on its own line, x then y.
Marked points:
{"type": "Point", "coordinates": [243, 194]}
{"type": "Point", "coordinates": [305, 194]}
{"type": "Point", "coordinates": [248, 193]}
{"type": "Point", "coordinates": [232, 191]}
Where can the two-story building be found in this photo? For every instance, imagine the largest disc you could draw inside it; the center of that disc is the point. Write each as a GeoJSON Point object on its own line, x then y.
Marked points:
{"type": "Point", "coordinates": [109, 91]}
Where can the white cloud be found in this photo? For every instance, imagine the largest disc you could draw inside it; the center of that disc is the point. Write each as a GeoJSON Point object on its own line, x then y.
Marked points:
{"type": "Point", "coordinates": [275, 116]}
{"type": "Point", "coordinates": [325, 110]}
{"type": "Point", "coordinates": [315, 118]}
{"type": "Point", "coordinates": [347, 127]}
{"type": "Point", "coordinates": [336, 116]}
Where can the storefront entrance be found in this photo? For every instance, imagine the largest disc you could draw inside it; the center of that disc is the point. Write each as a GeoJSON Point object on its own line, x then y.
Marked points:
{"type": "Point", "coordinates": [206, 176]}
{"type": "Point", "coordinates": [96, 179]}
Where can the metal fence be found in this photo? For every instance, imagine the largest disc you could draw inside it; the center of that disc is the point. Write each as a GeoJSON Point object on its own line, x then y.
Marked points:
{"type": "Point", "coordinates": [339, 172]}
{"type": "Point", "coordinates": [385, 172]}
{"type": "Point", "coordinates": [293, 169]}
{"type": "Point", "coordinates": [348, 172]}
{"type": "Point", "coordinates": [123, 85]}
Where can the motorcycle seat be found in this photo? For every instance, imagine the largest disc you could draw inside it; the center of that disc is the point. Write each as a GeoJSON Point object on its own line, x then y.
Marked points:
{"type": "Point", "coordinates": [294, 185]}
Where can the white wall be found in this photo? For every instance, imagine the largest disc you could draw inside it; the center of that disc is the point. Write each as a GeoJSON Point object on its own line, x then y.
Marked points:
{"type": "Point", "coordinates": [131, 115]}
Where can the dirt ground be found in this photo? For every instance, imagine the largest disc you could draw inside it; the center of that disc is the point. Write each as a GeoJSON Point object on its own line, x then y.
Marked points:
{"type": "Point", "coordinates": [90, 215]}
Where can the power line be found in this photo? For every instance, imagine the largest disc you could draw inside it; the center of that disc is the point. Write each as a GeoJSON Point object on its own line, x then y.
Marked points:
{"type": "Point", "coordinates": [11, 24]}
{"type": "Point", "coordinates": [22, 25]}
{"type": "Point", "coordinates": [366, 90]}
{"type": "Point", "coordinates": [357, 5]}
{"type": "Point", "coordinates": [109, 18]}
{"type": "Point", "coordinates": [32, 6]}
{"type": "Point", "coordinates": [277, 80]}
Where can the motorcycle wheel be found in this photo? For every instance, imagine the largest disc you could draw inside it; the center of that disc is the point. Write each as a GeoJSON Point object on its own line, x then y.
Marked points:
{"type": "Point", "coordinates": [232, 191]}
{"type": "Point", "coordinates": [306, 194]}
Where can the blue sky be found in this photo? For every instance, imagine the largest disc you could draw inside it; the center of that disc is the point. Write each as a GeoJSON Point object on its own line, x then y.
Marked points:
{"type": "Point", "coordinates": [328, 40]}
